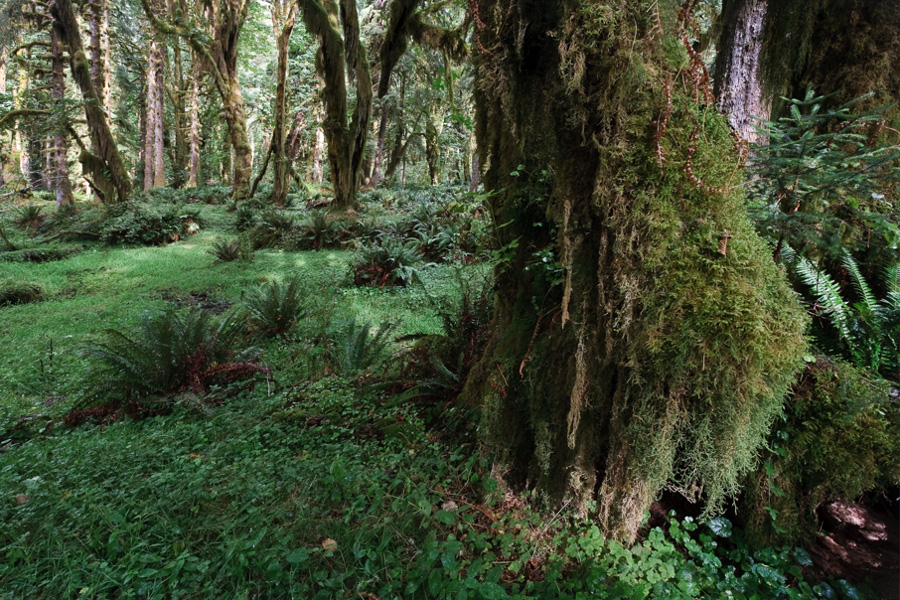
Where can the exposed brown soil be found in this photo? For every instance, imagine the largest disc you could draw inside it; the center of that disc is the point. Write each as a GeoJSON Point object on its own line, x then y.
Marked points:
{"type": "Point", "coordinates": [859, 544]}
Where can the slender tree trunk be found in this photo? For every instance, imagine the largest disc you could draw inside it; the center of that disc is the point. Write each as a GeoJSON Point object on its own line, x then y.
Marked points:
{"type": "Point", "coordinates": [144, 158]}
{"type": "Point", "coordinates": [738, 86]}
{"type": "Point", "coordinates": [159, 155]}
{"type": "Point", "coordinates": [195, 124]}
{"type": "Point", "coordinates": [151, 116]}
{"type": "Point", "coordinates": [226, 158]}
{"type": "Point", "coordinates": [4, 60]}
{"type": "Point", "coordinates": [318, 173]}
{"type": "Point", "coordinates": [95, 24]}
{"type": "Point", "coordinates": [433, 151]}
{"type": "Point", "coordinates": [640, 355]}
{"type": "Point", "coordinates": [20, 139]}
{"type": "Point", "coordinates": [476, 174]}
{"type": "Point", "coordinates": [110, 178]}
{"type": "Point", "coordinates": [179, 112]}
{"type": "Point", "coordinates": [49, 155]}
{"type": "Point", "coordinates": [283, 25]}
{"type": "Point", "coordinates": [379, 148]}
{"type": "Point", "coordinates": [63, 186]}
{"type": "Point", "coordinates": [107, 59]}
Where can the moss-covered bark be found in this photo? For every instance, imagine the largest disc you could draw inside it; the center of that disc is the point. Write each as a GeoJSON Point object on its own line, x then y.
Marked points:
{"type": "Point", "coordinates": [336, 24]}
{"type": "Point", "coordinates": [642, 336]}
{"type": "Point", "coordinates": [109, 177]}
{"type": "Point", "coordinates": [283, 15]}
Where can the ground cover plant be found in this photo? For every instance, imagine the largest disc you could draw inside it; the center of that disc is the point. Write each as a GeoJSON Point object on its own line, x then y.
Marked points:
{"type": "Point", "coordinates": [341, 465]}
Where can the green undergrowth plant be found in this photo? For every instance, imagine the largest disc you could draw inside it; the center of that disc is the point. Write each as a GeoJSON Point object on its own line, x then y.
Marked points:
{"type": "Point", "coordinates": [327, 490]}
{"type": "Point", "coordinates": [273, 228]}
{"type": "Point", "coordinates": [362, 346]}
{"type": "Point", "coordinates": [39, 254]}
{"type": "Point", "coordinates": [386, 264]}
{"type": "Point", "coordinates": [837, 439]}
{"type": "Point", "coordinates": [867, 331]}
{"type": "Point", "coordinates": [823, 183]}
{"type": "Point", "coordinates": [169, 352]}
{"type": "Point", "coordinates": [29, 217]}
{"type": "Point", "coordinates": [274, 308]}
{"type": "Point", "coordinates": [228, 250]}
{"type": "Point", "coordinates": [142, 225]}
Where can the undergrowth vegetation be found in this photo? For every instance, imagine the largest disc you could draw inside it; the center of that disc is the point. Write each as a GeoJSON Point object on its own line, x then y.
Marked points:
{"type": "Point", "coordinates": [172, 427]}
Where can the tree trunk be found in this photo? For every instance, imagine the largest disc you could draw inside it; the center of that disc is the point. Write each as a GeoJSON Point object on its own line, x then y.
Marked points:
{"type": "Point", "coordinates": [433, 150]}
{"type": "Point", "coordinates": [283, 23]}
{"type": "Point", "coordinates": [379, 148]}
{"type": "Point", "coordinates": [194, 165]}
{"type": "Point", "coordinates": [4, 60]}
{"type": "Point", "coordinates": [95, 22]}
{"type": "Point", "coordinates": [631, 347]}
{"type": "Point", "coordinates": [152, 116]}
{"type": "Point", "coordinates": [63, 186]}
{"type": "Point", "coordinates": [179, 89]}
{"type": "Point", "coordinates": [738, 86]}
{"type": "Point", "coordinates": [107, 59]}
{"type": "Point", "coordinates": [110, 178]}
{"type": "Point", "coordinates": [339, 54]}
{"type": "Point", "coordinates": [159, 113]}
{"type": "Point", "coordinates": [20, 137]}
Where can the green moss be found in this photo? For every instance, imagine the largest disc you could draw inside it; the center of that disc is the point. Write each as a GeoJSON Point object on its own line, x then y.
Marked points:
{"type": "Point", "coordinates": [838, 438]}
{"type": "Point", "coordinates": [665, 356]}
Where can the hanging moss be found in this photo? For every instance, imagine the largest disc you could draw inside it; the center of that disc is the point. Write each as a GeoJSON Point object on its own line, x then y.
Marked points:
{"type": "Point", "coordinates": [667, 350]}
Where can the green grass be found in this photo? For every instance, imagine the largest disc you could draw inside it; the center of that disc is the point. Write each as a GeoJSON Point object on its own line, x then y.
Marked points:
{"type": "Point", "coordinates": [302, 485]}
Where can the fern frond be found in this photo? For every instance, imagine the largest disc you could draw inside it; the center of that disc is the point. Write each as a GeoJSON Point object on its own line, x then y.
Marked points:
{"type": "Point", "coordinates": [828, 293]}
{"type": "Point", "coordinates": [892, 278]}
{"type": "Point", "coordinates": [859, 283]}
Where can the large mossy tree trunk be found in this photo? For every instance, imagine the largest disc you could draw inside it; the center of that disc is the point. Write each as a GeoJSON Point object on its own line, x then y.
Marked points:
{"type": "Point", "coordinates": [642, 336]}
{"type": "Point", "coordinates": [341, 52]}
{"type": "Point", "coordinates": [109, 177]}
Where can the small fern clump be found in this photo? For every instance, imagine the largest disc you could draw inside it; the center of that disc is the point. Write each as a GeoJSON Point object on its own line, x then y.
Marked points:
{"type": "Point", "coordinates": [231, 250]}
{"type": "Point", "coordinates": [390, 263]}
{"type": "Point", "coordinates": [28, 217]}
{"type": "Point", "coordinates": [363, 346]}
{"type": "Point", "coordinates": [275, 308]}
{"type": "Point", "coordinates": [170, 352]}
{"type": "Point", "coordinates": [272, 229]}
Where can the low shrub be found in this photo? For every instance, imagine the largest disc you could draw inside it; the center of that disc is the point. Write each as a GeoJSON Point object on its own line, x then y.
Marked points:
{"type": "Point", "coordinates": [275, 308]}
{"type": "Point", "coordinates": [137, 224]}
{"type": "Point", "coordinates": [386, 264]}
{"type": "Point", "coordinates": [28, 217]}
{"type": "Point", "coordinates": [170, 352]}
{"type": "Point", "coordinates": [12, 292]}
{"type": "Point", "coordinates": [38, 255]}
{"type": "Point", "coordinates": [273, 228]}
{"type": "Point", "coordinates": [837, 439]}
{"type": "Point", "coordinates": [231, 250]}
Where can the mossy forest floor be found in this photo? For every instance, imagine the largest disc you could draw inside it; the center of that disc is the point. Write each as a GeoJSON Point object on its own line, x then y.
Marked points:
{"type": "Point", "coordinates": [303, 482]}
